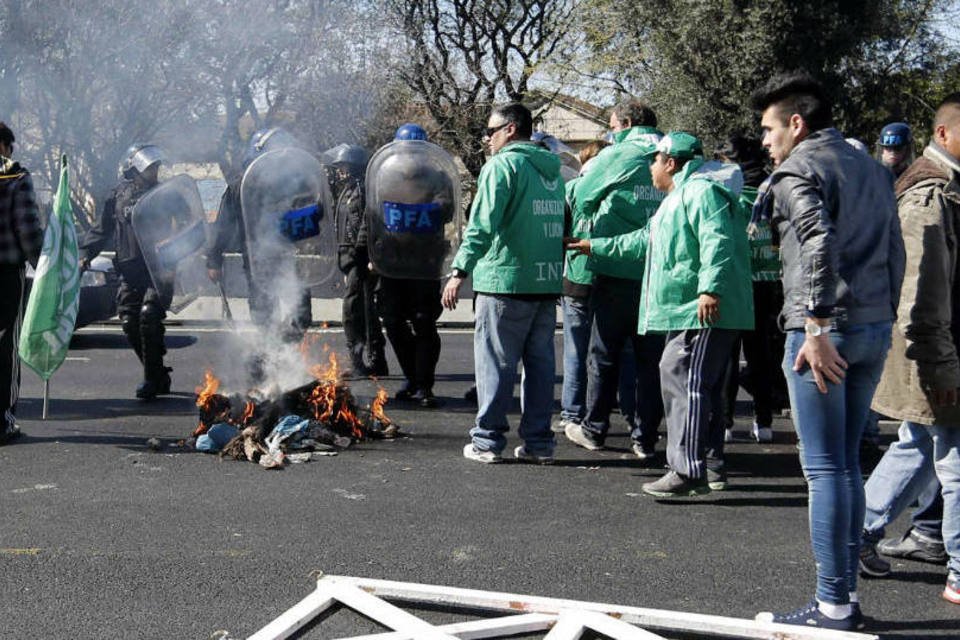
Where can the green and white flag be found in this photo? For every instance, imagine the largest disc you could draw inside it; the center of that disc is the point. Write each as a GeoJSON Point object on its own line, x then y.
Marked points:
{"type": "Point", "coordinates": [52, 309]}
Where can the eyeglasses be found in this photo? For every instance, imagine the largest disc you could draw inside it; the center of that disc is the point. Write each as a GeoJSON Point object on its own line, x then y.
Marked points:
{"type": "Point", "coordinates": [489, 131]}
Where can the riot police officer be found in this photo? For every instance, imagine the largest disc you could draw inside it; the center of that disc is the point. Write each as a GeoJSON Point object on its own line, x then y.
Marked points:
{"type": "Point", "coordinates": [412, 214]}
{"type": "Point", "coordinates": [895, 147]}
{"type": "Point", "coordinates": [229, 231]}
{"type": "Point", "coordinates": [346, 165]}
{"type": "Point", "coordinates": [141, 305]}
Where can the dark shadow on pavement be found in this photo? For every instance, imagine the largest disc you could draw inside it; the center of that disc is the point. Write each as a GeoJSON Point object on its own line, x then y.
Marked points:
{"type": "Point", "coordinates": [82, 341]}
{"type": "Point", "coordinates": [712, 499]}
{"type": "Point", "coordinates": [912, 627]}
{"type": "Point", "coordinates": [136, 443]}
{"type": "Point", "coordinates": [63, 409]}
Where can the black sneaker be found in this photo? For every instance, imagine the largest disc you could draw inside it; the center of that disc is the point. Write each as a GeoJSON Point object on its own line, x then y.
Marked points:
{"type": "Point", "coordinates": [471, 395]}
{"type": "Point", "coordinates": [426, 399]}
{"type": "Point", "coordinates": [10, 433]}
{"type": "Point", "coordinates": [674, 485]}
{"type": "Point", "coordinates": [859, 623]}
{"type": "Point", "coordinates": [378, 366]}
{"type": "Point", "coordinates": [914, 546]}
{"type": "Point", "coordinates": [811, 616]}
{"type": "Point", "coordinates": [871, 564]}
{"type": "Point", "coordinates": [147, 390]}
{"type": "Point", "coordinates": [406, 392]}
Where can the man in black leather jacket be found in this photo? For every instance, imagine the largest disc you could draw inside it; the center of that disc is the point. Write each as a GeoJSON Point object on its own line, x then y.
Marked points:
{"type": "Point", "coordinates": [843, 262]}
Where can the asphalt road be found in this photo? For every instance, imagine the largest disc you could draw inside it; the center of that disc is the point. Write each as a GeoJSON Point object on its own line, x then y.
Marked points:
{"type": "Point", "coordinates": [102, 538]}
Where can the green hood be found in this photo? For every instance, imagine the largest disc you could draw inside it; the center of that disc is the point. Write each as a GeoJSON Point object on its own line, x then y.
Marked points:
{"type": "Point", "coordinates": [726, 175]}
{"type": "Point", "coordinates": [647, 136]}
{"type": "Point", "coordinates": [545, 162]}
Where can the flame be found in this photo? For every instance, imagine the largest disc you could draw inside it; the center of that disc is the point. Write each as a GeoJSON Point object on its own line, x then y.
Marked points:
{"type": "Point", "coordinates": [327, 405]}
{"type": "Point", "coordinates": [376, 408]}
{"type": "Point", "coordinates": [210, 386]}
{"type": "Point", "coordinates": [247, 412]}
{"type": "Point", "coordinates": [351, 419]}
{"type": "Point", "coordinates": [330, 373]}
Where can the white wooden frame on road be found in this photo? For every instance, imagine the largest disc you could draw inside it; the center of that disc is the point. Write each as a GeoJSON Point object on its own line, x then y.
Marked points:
{"type": "Point", "coordinates": [562, 619]}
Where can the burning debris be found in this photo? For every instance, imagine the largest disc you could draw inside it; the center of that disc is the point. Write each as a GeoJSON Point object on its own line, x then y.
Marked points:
{"type": "Point", "coordinates": [321, 416]}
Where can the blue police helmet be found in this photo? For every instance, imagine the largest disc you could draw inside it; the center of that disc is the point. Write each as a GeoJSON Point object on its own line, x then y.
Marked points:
{"type": "Point", "coordinates": [895, 134]}
{"type": "Point", "coordinates": [410, 131]}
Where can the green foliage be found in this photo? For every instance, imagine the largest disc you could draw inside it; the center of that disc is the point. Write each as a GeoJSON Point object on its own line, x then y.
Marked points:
{"type": "Point", "coordinates": [697, 63]}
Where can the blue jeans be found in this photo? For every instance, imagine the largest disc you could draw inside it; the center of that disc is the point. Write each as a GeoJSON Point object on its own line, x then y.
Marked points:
{"type": "Point", "coordinates": [577, 321]}
{"type": "Point", "coordinates": [829, 426]}
{"type": "Point", "coordinates": [910, 470]}
{"type": "Point", "coordinates": [511, 331]}
{"type": "Point", "coordinates": [615, 303]}
{"type": "Point", "coordinates": [576, 339]}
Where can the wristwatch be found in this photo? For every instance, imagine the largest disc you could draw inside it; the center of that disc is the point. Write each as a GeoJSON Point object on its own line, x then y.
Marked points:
{"type": "Point", "coordinates": [457, 273]}
{"type": "Point", "coordinates": [815, 330]}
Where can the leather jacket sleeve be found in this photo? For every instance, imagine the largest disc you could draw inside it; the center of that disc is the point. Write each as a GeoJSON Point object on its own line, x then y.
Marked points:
{"type": "Point", "coordinates": [811, 220]}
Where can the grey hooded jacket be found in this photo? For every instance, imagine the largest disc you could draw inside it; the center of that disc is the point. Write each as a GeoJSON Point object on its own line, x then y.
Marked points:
{"type": "Point", "coordinates": [840, 239]}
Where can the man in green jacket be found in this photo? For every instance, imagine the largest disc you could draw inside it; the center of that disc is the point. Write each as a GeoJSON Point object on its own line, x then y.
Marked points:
{"type": "Point", "coordinates": [696, 290]}
{"type": "Point", "coordinates": [513, 249]}
{"type": "Point", "coordinates": [617, 197]}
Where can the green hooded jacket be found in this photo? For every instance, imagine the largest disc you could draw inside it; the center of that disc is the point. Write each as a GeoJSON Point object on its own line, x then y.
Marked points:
{"type": "Point", "coordinates": [696, 243]}
{"type": "Point", "coordinates": [616, 197]}
{"type": "Point", "coordinates": [514, 239]}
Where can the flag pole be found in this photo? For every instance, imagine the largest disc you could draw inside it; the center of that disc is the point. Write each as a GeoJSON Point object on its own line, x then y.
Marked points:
{"type": "Point", "coordinates": [46, 397]}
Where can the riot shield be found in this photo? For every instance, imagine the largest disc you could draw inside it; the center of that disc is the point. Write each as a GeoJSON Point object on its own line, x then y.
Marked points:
{"type": "Point", "coordinates": [168, 222]}
{"type": "Point", "coordinates": [414, 217]}
{"type": "Point", "coordinates": [285, 200]}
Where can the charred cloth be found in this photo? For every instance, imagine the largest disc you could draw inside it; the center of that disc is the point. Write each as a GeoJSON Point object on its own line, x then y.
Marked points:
{"type": "Point", "coordinates": [319, 417]}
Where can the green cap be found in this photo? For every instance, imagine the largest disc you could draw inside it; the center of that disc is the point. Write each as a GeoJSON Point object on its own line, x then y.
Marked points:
{"type": "Point", "coordinates": [680, 145]}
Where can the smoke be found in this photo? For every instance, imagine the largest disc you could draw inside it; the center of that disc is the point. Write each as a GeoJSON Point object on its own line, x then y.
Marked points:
{"type": "Point", "coordinates": [286, 211]}
{"type": "Point", "coordinates": [197, 77]}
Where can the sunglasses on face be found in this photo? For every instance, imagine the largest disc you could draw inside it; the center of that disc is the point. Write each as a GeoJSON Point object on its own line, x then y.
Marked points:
{"type": "Point", "coordinates": [489, 131]}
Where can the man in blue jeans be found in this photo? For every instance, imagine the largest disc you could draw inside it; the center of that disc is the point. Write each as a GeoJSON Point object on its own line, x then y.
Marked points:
{"type": "Point", "coordinates": [843, 262]}
{"type": "Point", "coordinates": [513, 249]}
{"type": "Point", "coordinates": [922, 374]}
{"type": "Point", "coordinates": [616, 197]}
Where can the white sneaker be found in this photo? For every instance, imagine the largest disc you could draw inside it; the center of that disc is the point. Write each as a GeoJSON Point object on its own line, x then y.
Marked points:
{"type": "Point", "coordinates": [487, 457]}
{"type": "Point", "coordinates": [643, 453]}
{"type": "Point", "coordinates": [728, 435]}
{"type": "Point", "coordinates": [581, 437]}
{"type": "Point", "coordinates": [762, 434]}
{"type": "Point", "coordinates": [560, 425]}
{"type": "Point", "coordinates": [521, 454]}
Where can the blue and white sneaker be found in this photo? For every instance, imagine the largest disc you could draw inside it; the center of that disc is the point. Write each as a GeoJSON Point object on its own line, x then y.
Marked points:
{"type": "Point", "coordinates": [811, 616]}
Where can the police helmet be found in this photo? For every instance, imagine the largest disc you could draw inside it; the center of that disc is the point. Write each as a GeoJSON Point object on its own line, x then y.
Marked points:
{"type": "Point", "coordinates": [139, 158]}
{"type": "Point", "coordinates": [265, 140]}
{"type": "Point", "coordinates": [352, 154]}
{"type": "Point", "coordinates": [895, 134]}
{"type": "Point", "coordinates": [410, 131]}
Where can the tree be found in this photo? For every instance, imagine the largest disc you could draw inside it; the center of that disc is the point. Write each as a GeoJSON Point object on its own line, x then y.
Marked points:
{"type": "Point", "coordinates": [462, 56]}
{"type": "Point", "coordinates": [698, 63]}
{"type": "Point", "coordinates": [89, 79]}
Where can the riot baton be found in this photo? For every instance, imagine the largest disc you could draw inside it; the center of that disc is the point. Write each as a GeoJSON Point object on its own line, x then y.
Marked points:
{"type": "Point", "coordinates": [224, 304]}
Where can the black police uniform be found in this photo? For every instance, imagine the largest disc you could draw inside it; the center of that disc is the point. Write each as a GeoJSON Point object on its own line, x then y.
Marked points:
{"type": "Point", "coordinates": [361, 326]}
{"type": "Point", "coordinates": [141, 306]}
{"type": "Point", "coordinates": [228, 233]}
